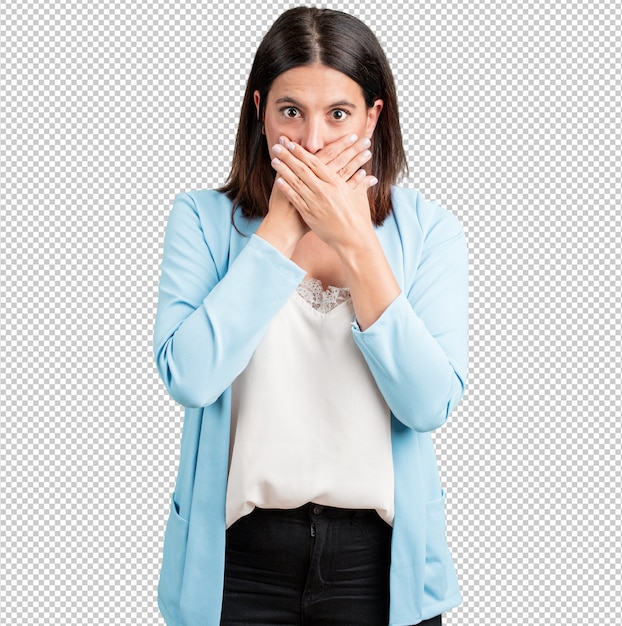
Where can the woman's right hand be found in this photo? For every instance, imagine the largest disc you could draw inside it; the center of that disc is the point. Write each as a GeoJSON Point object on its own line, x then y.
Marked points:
{"type": "Point", "coordinates": [283, 227]}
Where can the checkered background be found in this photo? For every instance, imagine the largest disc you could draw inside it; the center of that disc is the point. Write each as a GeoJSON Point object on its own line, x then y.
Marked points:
{"type": "Point", "coordinates": [510, 114]}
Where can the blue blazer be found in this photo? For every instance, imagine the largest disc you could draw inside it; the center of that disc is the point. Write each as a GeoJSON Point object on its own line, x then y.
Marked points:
{"type": "Point", "coordinates": [219, 289]}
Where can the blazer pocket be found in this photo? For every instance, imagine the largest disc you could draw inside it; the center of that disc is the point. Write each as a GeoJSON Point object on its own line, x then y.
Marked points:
{"type": "Point", "coordinates": [437, 557]}
{"type": "Point", "coordinates": [173, 562]}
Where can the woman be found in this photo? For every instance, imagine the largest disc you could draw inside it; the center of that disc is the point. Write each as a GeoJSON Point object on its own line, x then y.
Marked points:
{"type": "Point", "coordinates": [312, 320]}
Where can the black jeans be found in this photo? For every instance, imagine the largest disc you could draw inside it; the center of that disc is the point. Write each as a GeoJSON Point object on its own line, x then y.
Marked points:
{"type": "Point", "coordinates": [311, 566]}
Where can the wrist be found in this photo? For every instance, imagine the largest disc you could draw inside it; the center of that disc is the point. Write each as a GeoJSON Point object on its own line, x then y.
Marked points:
{"type": "Point", "coordinates": [283, 239]}
{"type": "Point", "coordinates": [357, 251]}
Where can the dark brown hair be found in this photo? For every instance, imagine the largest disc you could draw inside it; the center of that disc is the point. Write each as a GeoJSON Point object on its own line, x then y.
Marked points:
{"type": "Point", "coordinates": [304, 36]}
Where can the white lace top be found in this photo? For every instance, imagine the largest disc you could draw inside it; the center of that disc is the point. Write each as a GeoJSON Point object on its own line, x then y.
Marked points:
{"type": "Point", "coordinates": [320, 299]}
{"type": "Point", "coordinates": [308, 421]}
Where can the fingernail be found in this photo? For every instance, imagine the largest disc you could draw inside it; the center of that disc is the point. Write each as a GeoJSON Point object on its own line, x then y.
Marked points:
{"type": "Point", "coordinates": [365, 143]}
{"type": "Point", "coordinates": [361, 174]}
{"type": "Point", "coordinates": [373, 181]}
{"type": "Point", "coordinates": [291, 145]}
{"type": "Point", "coordinates": [276, 149]}
{"type": "Point", "coordinates": [275, 162]}
{"type": "Point", "coordinates": [352, 138]}
{"type": "Point", "coordinates": [282, 140]}
{"type": "Point", "coordinates": [366, 154]}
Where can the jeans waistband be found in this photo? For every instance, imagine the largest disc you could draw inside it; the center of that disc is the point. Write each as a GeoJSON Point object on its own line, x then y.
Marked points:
{"type": "Point", "coordinates": [312, 509]}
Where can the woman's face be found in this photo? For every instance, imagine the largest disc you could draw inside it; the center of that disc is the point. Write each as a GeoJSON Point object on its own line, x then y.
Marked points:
{"type": "Point", "coordinates": [313, 105]}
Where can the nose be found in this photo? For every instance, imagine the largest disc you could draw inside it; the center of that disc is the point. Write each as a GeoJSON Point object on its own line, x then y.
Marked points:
{"type": "Point", "coordinates": [311, 138]}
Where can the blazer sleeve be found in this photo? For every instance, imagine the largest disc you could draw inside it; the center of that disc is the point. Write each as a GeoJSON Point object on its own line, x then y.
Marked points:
{"type": "Point", "coordinates": [417, 349]}
{"type": "Point", "coordinates": [211, 315]}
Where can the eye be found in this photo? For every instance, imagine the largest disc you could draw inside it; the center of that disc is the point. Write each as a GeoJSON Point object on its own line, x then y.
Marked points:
{"type": "Point", "coordinates": [291, 112]}
{"type": "Point", "coordinates": [339, 114]}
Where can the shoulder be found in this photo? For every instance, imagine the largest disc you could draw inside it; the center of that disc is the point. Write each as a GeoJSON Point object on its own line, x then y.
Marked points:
{"type": "Point", "coordinates": [209, 208]}
{"type": "Point", "coordinates": [209, 211]}
{"type": "Point", "coordinates": [414, 213]}
{"type": "Point", "coordinates": [200, 225]}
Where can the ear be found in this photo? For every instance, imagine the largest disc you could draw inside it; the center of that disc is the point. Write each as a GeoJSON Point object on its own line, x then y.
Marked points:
{"type": "Point", "coordinates": [256, 99]}
{"type": "Point", "coordinates": [373, 113]}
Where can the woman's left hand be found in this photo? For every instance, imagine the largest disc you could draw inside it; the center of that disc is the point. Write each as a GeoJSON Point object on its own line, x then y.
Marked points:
{"type": "Point", "coordinates": [337, 210]}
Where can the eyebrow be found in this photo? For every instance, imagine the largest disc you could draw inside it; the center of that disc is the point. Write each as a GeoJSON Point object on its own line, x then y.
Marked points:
{"type": "Point", "coordinates": [290, 100]}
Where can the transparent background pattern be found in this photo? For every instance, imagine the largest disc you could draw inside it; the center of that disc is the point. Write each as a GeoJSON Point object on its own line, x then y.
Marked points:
{"type": "Point", "coordinates": [510, 113]}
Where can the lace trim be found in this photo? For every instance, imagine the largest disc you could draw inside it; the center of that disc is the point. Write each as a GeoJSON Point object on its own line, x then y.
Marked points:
{"type": "Point", "coordinates": [324, 301]}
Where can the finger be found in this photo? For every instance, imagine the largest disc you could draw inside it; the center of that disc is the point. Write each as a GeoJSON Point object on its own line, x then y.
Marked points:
{"type": "Point", "coordinates": [362, 180]}
{"type": "Point", "coordinates": [276, 191]}
{"type": "Point", "coordinates": [291, 194]}
{"type": "Point", "coordinates": [302, 164]}
{"type": "Point", "coordinates": [372, 181]}
{"type": "Point", "coordinates": [301, 184]}
{"type": "Point", "coordinates": [335, 148]}
{"type": "Point", "coordinates": [345, 164]}
{"type": "Point", "coordinates": [360, 157]}
{"type": "Point", "coordinates": [349, 157]}
{"type": "Point", "coordinates": [358, 177]}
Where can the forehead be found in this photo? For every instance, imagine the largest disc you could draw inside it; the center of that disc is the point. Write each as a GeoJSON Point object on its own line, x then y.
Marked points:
{"type": "Point", "coordinates": [315, 84]}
